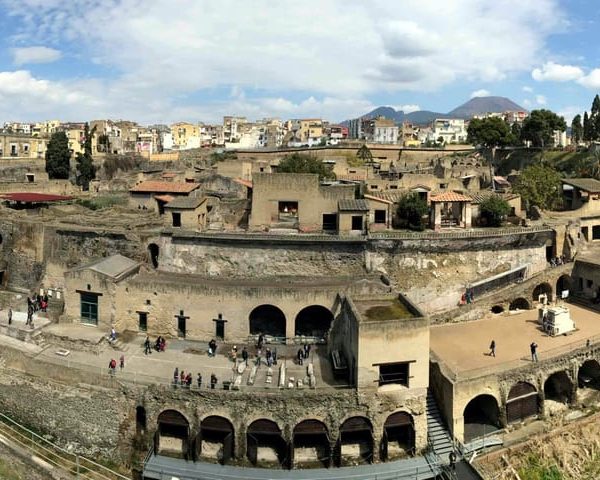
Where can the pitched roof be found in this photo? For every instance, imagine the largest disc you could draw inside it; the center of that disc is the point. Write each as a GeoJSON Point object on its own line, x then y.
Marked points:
{"type": "Point", "coordinates": [152, 186]}
{"type": "Point", "coordinates": [590, 185]}
{"type": "Point", "coordinates": [164, 198]}
{"type": "Point", "coordinates": [450, 197]}
{"type": "Point", "coordinates": [116, 267]}
{"type": "Point", "coordinates": [478, 197]}
{"type": "Point", "coordinates": [377, 199]}
{"type": "Point", "coordinates": [351, 204]}
{"type": "Point", "coordinates": [185, 202]}
{"type": "Point", "coordinates": [245, 183]}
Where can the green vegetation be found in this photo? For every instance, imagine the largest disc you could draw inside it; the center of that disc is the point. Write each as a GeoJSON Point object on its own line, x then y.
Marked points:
{"type": "Point", "coordinates": [220, 156]}
{"type": "Point", "coordinates": [86, 171]}
{"type": "Point", "coordinates": [576, 129]}
{"type": "Point", "coordinates": [364, 154]}
{"type": "Point", "coordinates": [494, 210]}
{"type": "Point", "coordinates": [354, 161]}
{"type": "Point", "coordinates": [304, 163]}
{"type": "Point", "coordinates": [58, 156]}
{"type": "Point", "coordinates": [489, 132]}
{"type": "Point", "coordinates": [539, 127]}
{"type": "Point", "coordinates": [98, 203]}
{"type": "Point", "coordinates": [391, 311]}
{"type": "Point", "coordinates": [114, 163]}
{"type": "Point", "coordinates": [411, 210]}
{"type": "Point", "coordinates": [535, 469]}
{"type": "Point", "coordinates": [540, 185]}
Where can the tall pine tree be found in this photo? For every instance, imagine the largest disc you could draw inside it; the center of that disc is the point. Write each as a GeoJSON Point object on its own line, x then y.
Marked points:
{"type": "Point", "coordinates": [86, 171]}
{"type": "Point", "coordinates": [58, 156]}
{"type": "Point", "coordinates": [595, 119]}
{"type": "Point", "coordinates": [576, 129]}
{"type": "Point", "coordinates": [587, 134]}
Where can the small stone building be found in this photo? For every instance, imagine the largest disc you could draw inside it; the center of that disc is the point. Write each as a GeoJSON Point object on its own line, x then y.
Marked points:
{"type": "Point", "coordinates": [187, 212]}
{"type": "Point", "coordinates": [450, 209]}
{"type": "Point", "coordinates": [154, 195]}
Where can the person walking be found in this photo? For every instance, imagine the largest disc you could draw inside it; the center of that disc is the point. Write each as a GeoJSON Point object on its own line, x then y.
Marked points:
{"type": "Point", "coordinates": [112, 366]}
{"type": "Point", "coordinates": [533, 347]}
{"type": "Point", "coordinates": [147, 348]}
{"type": "Point", "coordinates": [493, 349]}
{"type": "Point", "coordinates": [182, 377]}
{"type": "Point", "coordinates": [9, 315]}
{"type": "Point", "coordinates": [452, 460]}
{"type": "Point", "coordinates": [122, 362]}
{"type": "Point", "coordinates": [245, 355]}
{"type": "Point", "coordinates": [269, 357]}
{"type": "Point", "coordinates": [199, 380]}
{"type": "Point", "coordinates": [213, 381]}
{"type": "Point", "coordinates": [300, 356]}
{"type": "Point", "coordinates": [175, 376]}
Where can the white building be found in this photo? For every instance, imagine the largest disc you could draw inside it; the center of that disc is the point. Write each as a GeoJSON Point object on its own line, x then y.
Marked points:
{"type": "Point", "coordinates": [560, 139]}
{"type": "Point", "coordinates": [450, 130]}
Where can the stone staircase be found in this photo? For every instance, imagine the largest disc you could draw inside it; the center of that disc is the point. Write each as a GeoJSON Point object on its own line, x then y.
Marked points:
{"type": "Point", "coordinates": [436, 430]}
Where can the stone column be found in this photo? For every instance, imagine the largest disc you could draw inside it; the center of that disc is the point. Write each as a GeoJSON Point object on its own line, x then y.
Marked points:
{"type": "Point", "coordinates": [467, 214]}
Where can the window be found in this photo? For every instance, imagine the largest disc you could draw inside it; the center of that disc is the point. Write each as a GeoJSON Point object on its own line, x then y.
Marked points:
{"type": "Point", "coordinates": [176, 219]}
{"type": "Point", "coordinates": [330, 221]}
{"type": "Point", "coordinates": [142, 321]}
{"type": "Point", "coordinates": [394, 373]}
{"type": "Point", "coordinates": [589, 283]}
{"type": "Point", "coordinates": [393, 187]}
{"type": "Point", "coordinates": [380, 216]}
{"type": "Point", "coordinates": [443, 185]}
{"type": "Point", "coordinates": [357, 222]}
{"type": "Point", "coordinates": [596, 232]}
{"type": "Point", "coordinates": [89, 308]}
{"type": "Point", "coordinates": [374, 187]}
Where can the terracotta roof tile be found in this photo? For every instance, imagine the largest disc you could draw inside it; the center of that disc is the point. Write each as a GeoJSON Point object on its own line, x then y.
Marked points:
{"type": "Point", "coordinates": [450, 197]}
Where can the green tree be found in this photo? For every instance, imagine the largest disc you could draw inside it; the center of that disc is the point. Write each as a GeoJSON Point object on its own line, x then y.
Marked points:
{"type": "Point", "coordinates": [539, 127]}
{"type": "Point", "coordinates": [587, 133]}
{"type": "Point", "coordinates": [411, 210]}
{"type": "Point", "coordinates": [576, 129]}
{"type": "Point", "coordinates": [489, 132]}
{"type": "Point", "coordinates": [364, 153]}
{"type": "Point", "coordinates": [304, 163]}
{"type": "Point", "coordinates": [58, 156]}
{"type": "Point", "coordinates": [595, 119]}
{"type": "Point", "coordinates": [540, 185]}
{"type": "Point", "coordinates": [86, 171]}
{"type": "Point", "coordinates": [494, 210]}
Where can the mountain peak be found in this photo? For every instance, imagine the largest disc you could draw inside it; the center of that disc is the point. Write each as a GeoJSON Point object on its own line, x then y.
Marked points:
{"type": "Point", "coordinates": [479, 105]}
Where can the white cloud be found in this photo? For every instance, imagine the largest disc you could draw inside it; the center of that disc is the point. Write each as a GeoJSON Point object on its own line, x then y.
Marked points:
{"type": "Point", "coordinates": [527, 89]}
{"type": "Point", "coordinates": [569, 112]}
{"type": "Point", "coordinates": [555, 72]}
{"type": "Point", "coordinates": [541, 100]}
{"type": "Point", "coordinates": [167, 51]}
{"type": "Point", "coordinates": [408, 108]}
{"type": "Point", "coordinates": [26, 55]}
{"type": "Point", "coordinates": [480, 93]}
{"type": "Point", "coordinates": [591, 80]}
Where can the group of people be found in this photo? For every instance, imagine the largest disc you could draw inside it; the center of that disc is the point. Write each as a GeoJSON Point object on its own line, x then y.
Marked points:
{"type": "Point", "coordinates": [303, 353]}
{"type": "Point", "coordinates": [532, 348]}
{"type": "Point", "coordinates": [184, 380]}
{"type": "Point", "coordinates": [558, 261]}
{"type": "Point", "coordinates": [467, 297]}
{"type": "Point", "coordinates": [112, 365]}
{"type": "Point", "coordinates": [159, 345]}
{"type": "Point", "coordinates": [34, 304]}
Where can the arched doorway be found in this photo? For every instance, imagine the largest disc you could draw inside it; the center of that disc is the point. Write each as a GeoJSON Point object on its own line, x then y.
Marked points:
{"type": "Point", "coordinates": [140, 420]}
{"type": "Point", "coordinates": [266, 446]}
{"type": "Point", "coordinates": [559, 388]}
{"type": "Point", "coordinates": [313, 321]}
{"type": "Point", "coordinates": [519, 304]}
{"type": "Point", "coordinates": [355, 444]}
{"type": "Point", "coordinates": [154, 252]}
{"type": "Point", "coordinates": [481, 416]}
{"type": "Point", "coordinates": [268, 320]}
{"type": "Point", "coordinates": [310, 445]}
{"type": "Point", "coordinates": [172, 436]}
{"type": "Point", "coordinates": [215, 439]}
{"type": "Point", "coordinates": [588, 375]}
{"type": "Point", "coordinates": [542, 288]}
{"type": "Point", "coordinates": [522, 402]}
{"type": "Point", "coordinates": [563, 283]}
{"type": "Point", "coordinates": [398, 436]}
{"type": "Point", "coordinates": [497, 309]}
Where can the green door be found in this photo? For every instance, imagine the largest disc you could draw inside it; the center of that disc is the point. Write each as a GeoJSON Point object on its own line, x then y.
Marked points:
{"type": "Point", "coordinates": [89, 308]}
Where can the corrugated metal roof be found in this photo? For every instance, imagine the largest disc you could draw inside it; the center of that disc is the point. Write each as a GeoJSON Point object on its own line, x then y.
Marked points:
{"type": "Point", "coordinates": [450, 197]}
{"type": "Point", "coordinates": [354, 205]}
{"type": "Point", "coordinates": [590, 185]}
{"type": "Point", "coordinates": [152, 186]}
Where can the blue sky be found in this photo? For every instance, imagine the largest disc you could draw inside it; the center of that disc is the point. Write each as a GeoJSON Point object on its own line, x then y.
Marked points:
{"type": "Point", "coordinates": [159, 61]}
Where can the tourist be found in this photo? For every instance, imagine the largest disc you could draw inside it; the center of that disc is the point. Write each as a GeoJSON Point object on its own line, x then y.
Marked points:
{"type": "Point", "coordinates": [147, 349]}
{"type": "Point", "coordinates": [112, 366]}
{"type": "Point", "coordinates": [452, 460]}
{"type": "Point", "coordinates": [113, 334]}
{"type": "Point", "coordinates": [275, 356]}
{"type": "Point", "coordinates": [212, 348]}
{"type": "Point", "coordinates": [213, 381]}
{"type": "Point", "coordinates": [269, 357]}
{"type": "Point", "coordinates": [233, 354]}
{"type": "Point", "coordinates": [157, 344]}
{"type": "Point", "coordinates": [493, 349]}
{"type": "Point", "coordinates": [43, 305]}
{"type": "Point", "coordinates": [175, 376]}
{"type": "Point", "coordinates": [122, 362]}
{"type": "Point", "coordinates": [199, 380]}
{"type": "Point", "coordinates": [261, 341]}
{"type": "Point", "coordinates": [245, 355]}
{"type": "Point", "coordinates": [163, 344]}
{"type": "Point", "coordinates": [306, 350]}
{"type": "Point", "coordinates": [29, 315]}
{"type": "Point", "coordinates": [463, 298]}
{"type": "Point", "coordinates": [188, 380]}
{"type": "Point", "coordinates": [182, 377]}
{"type": "Point", "coordinates": [9, 315]}
{"type": "Point", "coordinates": [300, 356]}
{"type": "Point", "coordinates": [533, 347]}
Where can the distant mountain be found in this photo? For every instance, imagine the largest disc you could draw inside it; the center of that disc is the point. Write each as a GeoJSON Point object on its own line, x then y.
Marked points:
{"type": "Point", "coordinates": [466, 111]}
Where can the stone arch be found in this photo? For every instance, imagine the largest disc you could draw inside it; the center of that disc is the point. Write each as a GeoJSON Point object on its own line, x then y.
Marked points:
{"type": "Point", "coordinates": [542, 288]}
{"type": "Point", "coordinates": [481, 416]}
{"type": "Point", "coordinates": [310, 444]}
{"type": "Point", "coordinates": [355, 442]}
{"type": "Point", "coordinates": [268, 320]}
{"type": "Point", "coordinates": [313, 321]}
{"type": "Point", "coordinates": [154, 253]}
{"type": "Point", "coordinates": [265, 444]}
{"type": "Point", "coordinates": [522, 402]}
{"type": "Point", "coordinates": [558, 387]}
{"type": "Point", "coordinates": [172, 436]}
{"type": "Point", "coordinates": [497, 309]}
{"type": "Point", "coordinates": [215, 440]}
{"type": "Point", "coordinates": [398, 436]}
{"type": "Point", "coordinates": [519, 303]}
{"type": "Point", "coordinates": [140, 420]}
{"type": "Point", "coordinates": [588, 374]}
{"type": "Point", "coordinates": [564, 282]}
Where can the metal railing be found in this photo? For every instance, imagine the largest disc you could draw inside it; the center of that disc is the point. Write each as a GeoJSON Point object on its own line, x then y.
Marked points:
{"type": "Point", "coordinates": [54, 455]}
{"type": "Point", "coordinates": [487, 233]}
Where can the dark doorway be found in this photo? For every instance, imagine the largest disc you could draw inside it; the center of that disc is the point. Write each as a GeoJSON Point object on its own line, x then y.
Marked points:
{"type": "Point", "coordinates": [268, 320]}
{"type": "Point", "coordinates": [153, 252]}
{"type": "Point", "coordinates": [310, 445]}
{"type": "Point", "coordinates": [176, 219]}
{"type": "Point", "coordinates": [355, 444]}
{"type": "Point", "coordinates": [1, 278]}
{"type": "Point", "coordinates": [220, 328]}
{"type": "Point", "coordinates": [380, 216]}
{"type": "Point", "coordinates": [563, 284]}
{"type": "Point", "coordinates": [559, 388]}
{"type": "Point", "coordinates": [584, 231]}
{"type": "Point", "coordinates": [140, 420]}
{"type": "Point", "coordinates": [143, 321]}
{"type": "Point", "coordinates": [266, 446]}
{"type": "Point", "coordinates": [215, 439]}
{"type": "Point", "coordinates": [481, 417]}
{"type": "Point", "coordinates": [589, 375]}
{"type": "Point", "coordinates": [330, 222]}
{"type": "Point", "coordinates": [550, 252]}
{"type": "Point", "coordinates": [596, 232]}
{"type": "Point", "coordinates": [542, 288]}
{"type": "Point", "coordinates": [172, 436]}
{"type": "Point", "coordinates": [357, 222]}
{"type": "Point", "coordinates": [313, 321]}
{"type": "Point", "coordinates": [181, 324]}
{"type": "Point", "coordinates": [398, 436]}
{"type": "Point", "coordinates": [519, 304]}
{"type": "Point", "coordinates": [522, 402]}
{"type": "Point", "coordinates": [497, 309]}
